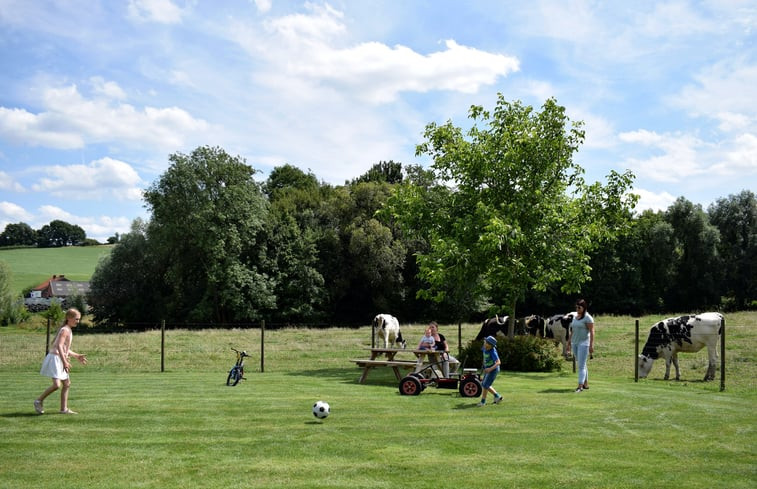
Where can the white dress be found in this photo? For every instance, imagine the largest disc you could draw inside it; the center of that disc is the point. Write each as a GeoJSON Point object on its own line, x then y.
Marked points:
{"type": "Point", "coordinates": [52, 365]}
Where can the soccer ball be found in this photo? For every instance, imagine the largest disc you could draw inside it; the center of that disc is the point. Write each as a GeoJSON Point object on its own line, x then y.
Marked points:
{"type": "Point", "coordinates": [321, 409]}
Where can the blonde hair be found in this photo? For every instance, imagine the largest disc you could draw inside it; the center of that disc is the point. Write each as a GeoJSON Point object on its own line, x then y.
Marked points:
{"type": "Point", "coordinates": [71, 313]}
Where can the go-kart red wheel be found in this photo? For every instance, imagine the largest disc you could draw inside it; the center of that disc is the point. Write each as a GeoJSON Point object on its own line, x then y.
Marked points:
{"type": "Point", "coordinates": [410, 386]}
{"type": "Point", "coordinates": [471, 387]}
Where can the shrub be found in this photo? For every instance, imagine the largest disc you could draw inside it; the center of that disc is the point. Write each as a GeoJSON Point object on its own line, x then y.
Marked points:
{"type": "Point", "coordinates": [520, 354]}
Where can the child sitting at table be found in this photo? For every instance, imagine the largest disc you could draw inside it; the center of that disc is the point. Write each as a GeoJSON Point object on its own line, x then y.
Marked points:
{"type": "Point", "coordinates": [428, 340]}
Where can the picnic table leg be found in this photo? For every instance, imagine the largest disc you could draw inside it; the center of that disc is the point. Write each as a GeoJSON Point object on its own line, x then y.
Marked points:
{"type": "Point", "coordinates": [364, 375]}
{"type": "Point", "coordinates": [397, 373]}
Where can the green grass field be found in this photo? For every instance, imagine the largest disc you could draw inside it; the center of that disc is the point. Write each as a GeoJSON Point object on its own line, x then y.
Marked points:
{"type": "Point", "coordinates": [140, 427]}
{"type": "Point", "coordinates": [32, 266]}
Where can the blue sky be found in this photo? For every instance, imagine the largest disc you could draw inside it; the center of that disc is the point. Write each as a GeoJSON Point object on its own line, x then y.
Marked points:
{"type": "Point", "coordinates": [95, 95]}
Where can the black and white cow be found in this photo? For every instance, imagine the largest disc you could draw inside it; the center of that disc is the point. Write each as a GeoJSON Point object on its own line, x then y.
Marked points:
{"type": "Point", "coordinates": [557, 328]}
{"type": "Point", "coordinates": [534, 325]}
{"type": "Point", "coordinates": [387, 328]}
{"type": "Point", "coordinates": [684, 334]}
{"type": "Point", "coordinates": [492, 325]}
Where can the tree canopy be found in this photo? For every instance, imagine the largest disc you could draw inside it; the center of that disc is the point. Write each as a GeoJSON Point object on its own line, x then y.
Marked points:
{"type": "Point", "coordinates": [510, 210]}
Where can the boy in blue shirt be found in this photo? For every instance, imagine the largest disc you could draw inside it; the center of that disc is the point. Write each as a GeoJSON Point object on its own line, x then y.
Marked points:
{"type": "Point", "coordinates": [491, 369]}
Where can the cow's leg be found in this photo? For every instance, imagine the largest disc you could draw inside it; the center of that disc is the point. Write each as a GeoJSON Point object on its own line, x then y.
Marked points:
{"type": "Point", "coordinates": [667, 367]}
{"type": "Point", "coordinates": [675, 363]}
{"type": "Point", "coordinates": [712, 364]}
{"type": "Point", "coordinates": [386, 339]}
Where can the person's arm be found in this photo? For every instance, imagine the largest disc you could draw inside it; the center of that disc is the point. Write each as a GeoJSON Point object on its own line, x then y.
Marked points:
{"type": "Point", "coordinates": [79, 356]}
{"type": "Point", "coordinates": [590, 327]}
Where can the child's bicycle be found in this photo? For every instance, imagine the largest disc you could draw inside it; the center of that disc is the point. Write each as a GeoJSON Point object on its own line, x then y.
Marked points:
{"type": "Point", "coordinates": [237, 371]}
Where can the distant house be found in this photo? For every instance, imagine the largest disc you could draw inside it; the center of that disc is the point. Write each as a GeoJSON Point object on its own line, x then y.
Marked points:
{"type": "Point", "coordinates": [58, 286]}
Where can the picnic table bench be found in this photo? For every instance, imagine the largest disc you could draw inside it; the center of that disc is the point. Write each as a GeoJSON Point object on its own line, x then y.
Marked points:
{"type": "Point", "coordinates": [385, 357]}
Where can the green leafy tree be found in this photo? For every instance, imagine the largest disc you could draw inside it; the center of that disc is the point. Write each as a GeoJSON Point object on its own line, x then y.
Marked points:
{"type": "Point", "coordinates": [698, 268]}
{"type": "Point", "coordinates": [19, 234]}
{"type": "Point", "coordinates": [736, 219]}
{"type": "Point", "coordinates": [128, 282]}
{"type": "Point", "coordinates": [657, 258]}
{"type": "Point", "coordinates": [208, 214]}
{"type": "Point", "coordinates": [383, 171]}
{"type": "Point", "coordinates": [517, 215]}
{"type": "Point", "coordinates": [60, 233]}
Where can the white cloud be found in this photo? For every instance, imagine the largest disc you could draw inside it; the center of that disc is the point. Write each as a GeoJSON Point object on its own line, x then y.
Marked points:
{"type": "Point", "coordinates": [103, 178]}
{"type": "Point", "coordinates": [678, 155]}
{"type": "Point", "coordinates": [160, 11]}
{"type": "Point", "coordinates": [12, 213]}
{"type": "Point", "coordinates": [314, 50]}
{"type": "Point", "coordinates": [71, 121]}
{"type": "Point", "coordinates": [108, 89]}
{"type": "Point", "coordinates": [7, 183]}
{"type": "Point", "coordinates": [726, 92]}
{"type": "Point", "coordinates": [263, 5]}
{"type": "Point", "coordinates": [656, 201]}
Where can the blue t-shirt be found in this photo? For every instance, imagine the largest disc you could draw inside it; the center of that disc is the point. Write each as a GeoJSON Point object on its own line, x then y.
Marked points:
{"type": "Point", "coordinates": [490, 356]}
{"type": "Point", "coordinates": [580, 331]}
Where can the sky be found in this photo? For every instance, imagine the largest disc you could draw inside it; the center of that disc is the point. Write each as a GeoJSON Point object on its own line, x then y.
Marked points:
{"type": "Point", "coordinates": [95, 95]}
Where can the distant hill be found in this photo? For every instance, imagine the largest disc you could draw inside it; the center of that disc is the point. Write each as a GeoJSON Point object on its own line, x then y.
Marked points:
{"type": "Point", "coordinates": [32, 266]}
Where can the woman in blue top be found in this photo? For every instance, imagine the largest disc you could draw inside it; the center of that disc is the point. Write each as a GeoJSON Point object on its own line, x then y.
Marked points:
{"type": "Point", "coordinates": [581, 342]}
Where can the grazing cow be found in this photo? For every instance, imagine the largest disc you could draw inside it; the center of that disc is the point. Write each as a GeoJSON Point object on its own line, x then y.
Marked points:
{"type": "Point", "coordinates": [557, 330]}
{"type": "Point", "coordinates": [386, 327]}
{"type": "Point", "coordinates": [534, 326]}
{"type": "Point", "coordinates": [685, 334]}
{"type": "Point", "coordinates": [492, 325]}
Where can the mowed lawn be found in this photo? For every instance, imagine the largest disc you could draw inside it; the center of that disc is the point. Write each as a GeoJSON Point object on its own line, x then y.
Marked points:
{"type": "Point", "coordinates": [140, 427]}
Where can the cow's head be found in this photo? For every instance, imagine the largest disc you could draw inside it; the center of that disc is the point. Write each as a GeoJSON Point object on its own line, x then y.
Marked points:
{"type": "Point", "coordinates": [645, 365]}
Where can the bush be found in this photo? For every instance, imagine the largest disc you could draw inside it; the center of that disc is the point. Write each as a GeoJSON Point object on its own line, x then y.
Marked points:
{"type": "Point", "coordinates": [519, 354]}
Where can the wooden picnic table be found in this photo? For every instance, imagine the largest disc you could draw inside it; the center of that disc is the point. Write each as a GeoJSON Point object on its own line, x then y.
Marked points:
{"type": "Point", "coordinates": [385, 357]}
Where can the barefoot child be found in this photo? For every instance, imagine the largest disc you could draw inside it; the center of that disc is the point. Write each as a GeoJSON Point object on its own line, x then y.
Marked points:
{"type": "Point", "coordinates": [57, 364]}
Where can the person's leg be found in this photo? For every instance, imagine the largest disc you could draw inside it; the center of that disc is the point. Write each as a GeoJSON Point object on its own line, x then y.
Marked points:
{"type": "Point", "coordinates": [581, 355]}
{"type": "Point", "coordinates": [54, 387]}
{"type": "Point", "coordinates": [64, 395]}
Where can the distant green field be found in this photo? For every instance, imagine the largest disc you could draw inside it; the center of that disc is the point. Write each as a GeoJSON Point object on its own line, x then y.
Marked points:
{"type": "Point", "coordinates": [32, 266]}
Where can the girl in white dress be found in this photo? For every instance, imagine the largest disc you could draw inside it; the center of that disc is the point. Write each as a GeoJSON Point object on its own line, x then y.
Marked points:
{"type": "Point", "coordinates": [57, 363]}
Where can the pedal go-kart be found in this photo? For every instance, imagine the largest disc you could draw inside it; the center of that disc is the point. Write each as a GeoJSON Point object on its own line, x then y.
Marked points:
{"type": "Point", "coordinates": [467, 382]}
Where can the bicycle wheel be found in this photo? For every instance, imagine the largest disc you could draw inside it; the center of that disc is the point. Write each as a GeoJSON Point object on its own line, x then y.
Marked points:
{"type": "Point", "coordinates": [234, 377]}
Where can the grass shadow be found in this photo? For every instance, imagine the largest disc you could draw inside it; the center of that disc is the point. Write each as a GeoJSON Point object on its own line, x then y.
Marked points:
{"type": "Point", "coordinates": [19, 415]}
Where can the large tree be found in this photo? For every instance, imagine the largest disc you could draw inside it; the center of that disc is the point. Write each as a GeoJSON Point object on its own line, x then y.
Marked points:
{"type": "Point", "coordinates": [736, 218]}
{"type": "Point", "coordinates": [128, 285]}
{"type": "Point", "coordinates": [511, 211]}
{"type": "Point", "coordinates": [208, 215]}
{"type": "Point", "coordinates": [20, 234]}
{"type": "Point", "coordinates": [698, 268]}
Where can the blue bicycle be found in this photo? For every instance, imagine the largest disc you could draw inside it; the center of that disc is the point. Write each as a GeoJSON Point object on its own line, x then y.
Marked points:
{"type": "Point", "coordinates": [237, 371]}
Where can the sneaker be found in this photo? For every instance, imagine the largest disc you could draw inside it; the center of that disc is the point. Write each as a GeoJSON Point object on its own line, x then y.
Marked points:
{"type": "Point", "coordinates": [481, 404]}
{"type": "Point", "coordinates": [578, 389]}
{"type": "Point", "coordinates": [498, 399]}
{"type": "Point", "coordinates": [38, 406]}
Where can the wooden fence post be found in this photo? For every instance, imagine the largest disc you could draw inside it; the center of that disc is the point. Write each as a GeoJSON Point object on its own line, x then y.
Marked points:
{"type": "Point", "coordinates": [722, 355]}
{"type": "Point", "coordinates": [163, 345]}
{"type": "Point", "coordinates": [636, 354]}
{"type": "Point", "coordinates": [47, 341]}
{"type": "Point", "coordinates": [262, 346]}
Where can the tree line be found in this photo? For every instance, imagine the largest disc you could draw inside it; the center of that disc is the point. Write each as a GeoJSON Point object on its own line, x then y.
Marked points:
{"type": "Point", "coordinates": [501, 222]}
{"type": "Point", "coordinates": [53, 235]}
